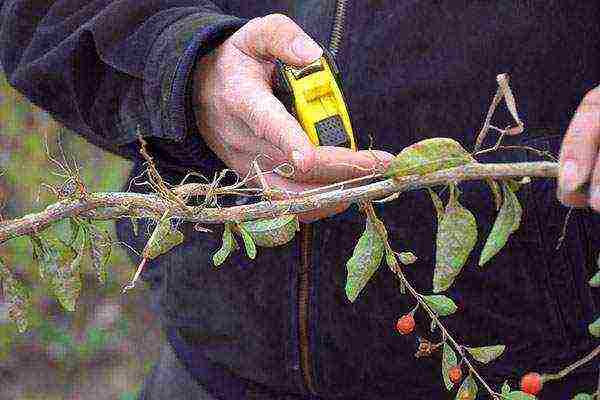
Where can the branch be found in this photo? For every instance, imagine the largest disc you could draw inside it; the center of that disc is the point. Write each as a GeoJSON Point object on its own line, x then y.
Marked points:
{"type": "Point", "coordinates": [107, 206]}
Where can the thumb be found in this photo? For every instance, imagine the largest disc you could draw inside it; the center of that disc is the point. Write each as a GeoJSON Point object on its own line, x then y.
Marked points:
{"type": "Point", "coordinates": [276, 36]}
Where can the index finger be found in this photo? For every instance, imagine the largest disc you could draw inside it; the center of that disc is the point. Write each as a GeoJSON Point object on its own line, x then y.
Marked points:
{"type": "Point", "coordinates": [580, 146]}
{"type": "Point", "coordinates": [336, 164]}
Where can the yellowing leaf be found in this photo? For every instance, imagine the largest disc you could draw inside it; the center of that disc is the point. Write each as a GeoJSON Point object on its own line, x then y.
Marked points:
{"type": "Point", "coordinates": [229, 244]}
{"type": "Point", "coordinates": [17, 298]}
{"type": "Point", "coordinates": [100, 250]}
{"type": "Point", "coordinates": [456, 237]}
{"type": "Point", "coordinates": [59, 266]}
{"type": "Point", "coordinates": [272, 232]}
{"type": "Point", "coordinates": [407, 258]}
{"type": "Point", "coordinates": [449, 360]}
{"type": "Point", "coordinates": [486, 354]}
{"type": "Point", "coordinates": [442, 305]}
{"type": "Point", "coordinates": [428, 156]}
{"type": "Point", "coordinates": [248, 242]}
{"type": "Point", "coordinates": [507, 221]}
{"type": "Point", "coordinates": [468, 389]}
{"type": "Point", "coordinates": [163, 238]}
{"type": "Point", "coordinates": [365, 260]}
{"type": "Point", "coordinates": [594, 328]}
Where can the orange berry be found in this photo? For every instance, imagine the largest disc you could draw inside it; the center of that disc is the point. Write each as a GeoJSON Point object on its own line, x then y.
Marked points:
{"type": "Point", "coordinates": [455, 374]}
{"type": "Point", "coordinates": [406, 324]}
{"type": "Point", "coordinates": [531, 383]}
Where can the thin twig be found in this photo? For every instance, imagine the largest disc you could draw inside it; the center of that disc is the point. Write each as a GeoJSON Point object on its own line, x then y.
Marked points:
{"type": "Point", "coordinates": [566, 371]}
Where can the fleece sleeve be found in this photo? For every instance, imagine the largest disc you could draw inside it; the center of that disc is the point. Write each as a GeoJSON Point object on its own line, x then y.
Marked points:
{"type": "Point", "coordinates": [108, 69]}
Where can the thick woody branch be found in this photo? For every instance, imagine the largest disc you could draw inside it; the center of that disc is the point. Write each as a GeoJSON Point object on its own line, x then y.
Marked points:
{"type": "Point", "coordinates": [117, 205]}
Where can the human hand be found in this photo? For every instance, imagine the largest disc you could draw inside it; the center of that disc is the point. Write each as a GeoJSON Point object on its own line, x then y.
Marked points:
{"type": "Point", "coordinates": [240, 118]}
{"type": "Point", "coordinates": [579, 161]}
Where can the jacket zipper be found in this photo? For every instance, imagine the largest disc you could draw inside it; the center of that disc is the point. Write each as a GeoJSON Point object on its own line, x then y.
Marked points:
{"type": "Point", "coordinates": [306, 235]}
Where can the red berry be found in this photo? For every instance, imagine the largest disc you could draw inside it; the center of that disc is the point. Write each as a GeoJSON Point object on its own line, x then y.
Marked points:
{"type": "Point", "coordinates": [531, 383]}
{"type": "Point", "coordinates": [455, 374]}
{"type": "Point", "coordinates": [405, 324]}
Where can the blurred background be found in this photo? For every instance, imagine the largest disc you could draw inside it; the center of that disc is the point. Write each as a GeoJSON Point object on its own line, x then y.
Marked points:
{"type": "Point", "coordinates": [103, 349]}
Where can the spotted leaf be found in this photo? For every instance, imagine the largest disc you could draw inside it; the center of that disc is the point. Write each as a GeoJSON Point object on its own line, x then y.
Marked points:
{"type": "Point", "coordinates": [163, 238]}
{"type": "Point", "coordinates": [229, 244]}
{"type": "Point", "coordinates": [248, 242]}
{"type": "Point", "coordinates": [442, 305]}
{"type": "Point", "coordinates": [272, 232]}
{"type": "Point", "coordinates": [468, 390]}
{"type": "Point", "coordinates": [428, 156]}
{"type": "Point", "coordinates": [449, 360]}
{"type": "Point", "coordinates": [486, 354]}
{"type": "Point", "coordinates": [507, 222]}
{"type": "Point", "coordinates": [456, 237]}
{"type": "Point", "coordinates": [17, 298]}
{"type": "Point", "coordinates": [365, 260]}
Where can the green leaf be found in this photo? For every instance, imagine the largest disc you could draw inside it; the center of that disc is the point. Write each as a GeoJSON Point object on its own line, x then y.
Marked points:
{"type": "Point", "coordinates": [594, 328]}
{"type": "Point", "coordinates": [505, 388]}
{"type": "Point", "coordinates": [272, 232]}
{"type": "Point", "coordinates": [100, 250]}
{"type": "Point", "coordinates": [468, 389]}
{"type": "Point", "coordinates": [248, 242]}
{"type": "Point", "coordinates": [17, 297]}
{"type": "Point", "coordinates": [229, 244]}
{"type": "Point", "coordinates": [163, 238]}
{"type": "Point", "coordinates": [365, 260]}
{"type": "Point", "coordinates": [449, 360]}
{"type": "Point", "coordinates": [456, 237]}
{"type": "Point", "coordinates": [427, 156]}
{"type": "Point", "coordinates": [59, 266]}
{"type": "Point", "coordinates": [507, 221]}
{"type": "Point", "coordinates": [518, 395]}
{"type": "Point", "coordinates": [433, 326]}
{"type": "Point", "coordinates": [437, 203]}
{"type": "Point", "coordinates": [595, 281]}
{"type": "Point", "coordinates": [583, 396]}
{"type": "Point", "coordinates": [407, 258]}
{"type": "Point", "coordinates": [486, 354]}
{"type": "Point", "coordinates": [442, 305]}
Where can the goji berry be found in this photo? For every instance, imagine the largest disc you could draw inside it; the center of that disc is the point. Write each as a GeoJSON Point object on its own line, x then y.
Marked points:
{"type": "Point", "coordinates": [406, 324]}
{"type": "Point", "coordinates": [532, 383]}
{"type": "Point", "coordinates": [455, 374]}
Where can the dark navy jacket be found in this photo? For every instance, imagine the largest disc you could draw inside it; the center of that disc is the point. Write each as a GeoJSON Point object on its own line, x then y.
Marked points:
{"type": "Point", "coordinates": [413, 70]}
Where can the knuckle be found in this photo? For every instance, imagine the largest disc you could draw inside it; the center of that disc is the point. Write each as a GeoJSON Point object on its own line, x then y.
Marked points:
{"type": "Point", "coordinates": [592, 97]}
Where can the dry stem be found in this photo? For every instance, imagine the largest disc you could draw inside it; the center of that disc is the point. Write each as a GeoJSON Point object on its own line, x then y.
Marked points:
{"type": "Point", "coordinates": [118, 205]}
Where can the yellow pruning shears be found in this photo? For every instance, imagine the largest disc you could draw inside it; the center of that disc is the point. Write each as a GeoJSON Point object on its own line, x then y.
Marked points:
{"type": "Point", "coordinates": [318, 102]}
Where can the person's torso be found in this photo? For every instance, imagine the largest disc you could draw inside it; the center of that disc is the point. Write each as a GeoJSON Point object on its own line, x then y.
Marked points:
{"type": "Point", "coordinates": [414, 70]}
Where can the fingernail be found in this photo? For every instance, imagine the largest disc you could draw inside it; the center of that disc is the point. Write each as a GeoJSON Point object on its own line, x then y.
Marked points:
{"type": "Point", "coordinates": [298, 160]}
{"type": "Point", "coordinates": [569, 177]}
{"type": "Point", "coordinates": [306, 49]}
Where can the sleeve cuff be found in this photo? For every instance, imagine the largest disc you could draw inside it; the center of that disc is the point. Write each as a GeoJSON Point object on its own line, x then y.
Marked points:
{"type": "Point", "coordinates": [167, 87]}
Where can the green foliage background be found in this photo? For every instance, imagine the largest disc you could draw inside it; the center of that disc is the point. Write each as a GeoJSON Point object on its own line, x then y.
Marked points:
{"type": "Point", "coordinates": [104, 348]}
